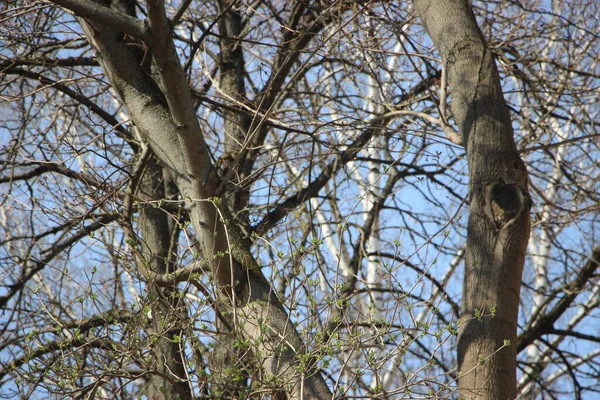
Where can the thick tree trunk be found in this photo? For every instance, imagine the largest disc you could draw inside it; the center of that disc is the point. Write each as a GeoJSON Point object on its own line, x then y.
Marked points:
{"type": "Point", "coordinates": [161, 107]}
{"type": "Point", "coordinates": [498, 227]}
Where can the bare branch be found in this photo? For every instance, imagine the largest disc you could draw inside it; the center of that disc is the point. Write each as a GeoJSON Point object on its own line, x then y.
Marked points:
{"type": "Point", "coordinates": [106, 16]}
{"type": "Point", "coordinates": [545, 323]}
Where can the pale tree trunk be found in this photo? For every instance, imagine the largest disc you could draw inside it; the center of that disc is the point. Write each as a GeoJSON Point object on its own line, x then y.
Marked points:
{"type": "Point", "coordinates": [498, 227]}
{"type": "Point", "coordinates": [162, 109]}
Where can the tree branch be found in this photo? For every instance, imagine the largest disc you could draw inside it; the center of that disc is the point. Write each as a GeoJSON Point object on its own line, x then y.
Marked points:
{"type": "Point", "coordinates": [56, 250]}
{"type": "Point", "coordinates": [108, 17]}
{"type": "Point", "coordinates": [81, 99]}
{"type": "Point", "coordinates": [545, 323]}
{"type": "Point", "coordinates": [279, 211]}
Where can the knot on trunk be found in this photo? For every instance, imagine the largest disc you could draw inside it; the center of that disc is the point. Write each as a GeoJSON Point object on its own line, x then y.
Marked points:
{"type": "Point", "coordinates": [505, 202]}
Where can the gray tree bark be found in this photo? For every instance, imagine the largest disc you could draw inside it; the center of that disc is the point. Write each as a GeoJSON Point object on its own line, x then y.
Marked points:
{"type": "Point", "coordinates": [498, 227]}
{"type": "Point", "coordinates": [161, 107]}
{"type": "Point", "coordinates": [237, 123]}
{"type": "Point", "coordinates": [168, 378]}
{"type": "Point", "coordinates": [230, 378]}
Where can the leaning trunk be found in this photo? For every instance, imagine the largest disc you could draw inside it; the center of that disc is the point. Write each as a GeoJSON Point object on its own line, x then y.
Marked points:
{"type": "Point", "coordinates": [498, 227]}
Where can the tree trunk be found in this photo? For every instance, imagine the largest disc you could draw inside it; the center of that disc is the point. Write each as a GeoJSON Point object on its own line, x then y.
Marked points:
{"type": "Point", "coordinates": [229, 377]}
{"type": "Point", "coordinates": [236, 123]}
{"type": "Point", "coordinates": [498, 227]}
{"type": "Point", "coordinates": [168, 378]}
{"type": "Point", "coordinates": [162, 109]}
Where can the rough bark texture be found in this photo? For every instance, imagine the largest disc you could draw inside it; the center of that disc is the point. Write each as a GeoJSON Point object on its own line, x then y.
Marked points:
{"type": "Point", "coordinates": [161, 107]}
{"type": "Point", "coordinates": [236, 123]}
{"type": "Point", "coordinates": [229, 376]}
{"type": "Point", "coordinates": [498, 227]}
{"type": "Point", "coordinates": [158, 231]}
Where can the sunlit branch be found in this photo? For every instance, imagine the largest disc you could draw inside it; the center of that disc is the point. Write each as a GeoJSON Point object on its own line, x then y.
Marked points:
{"type": "Point", "coordinates": [108, 17]}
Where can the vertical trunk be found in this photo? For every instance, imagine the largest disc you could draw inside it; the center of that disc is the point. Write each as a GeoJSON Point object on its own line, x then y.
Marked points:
{"type": "Point", "coordinates": [229, 377]}
{"type": "Point", "coordinates": [498, 227]}
{"type": "Point", "coordinates": [235, 123]}
{"type": "Point", "coordinates": [158, 230]}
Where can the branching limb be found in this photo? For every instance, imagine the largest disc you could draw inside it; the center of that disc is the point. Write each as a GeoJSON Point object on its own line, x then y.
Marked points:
{"type": "Point", "coordinates": [115, 20]}
{"type": "Point", "coordinates": [545, 324]}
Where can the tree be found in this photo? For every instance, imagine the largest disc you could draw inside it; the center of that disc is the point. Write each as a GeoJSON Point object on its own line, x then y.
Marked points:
{"type": "Point", "coordinates": [234, 199]}
{"type": "Point", "coordinates": [498, 228]}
